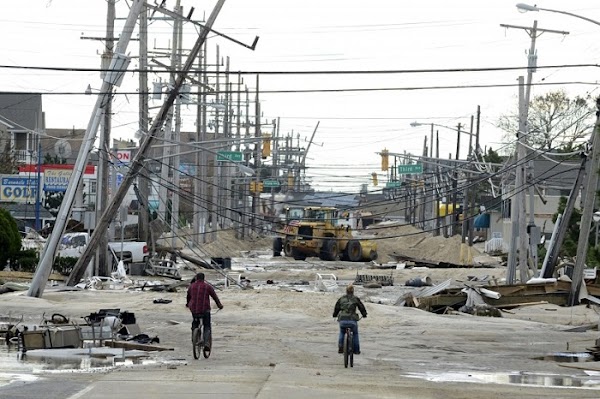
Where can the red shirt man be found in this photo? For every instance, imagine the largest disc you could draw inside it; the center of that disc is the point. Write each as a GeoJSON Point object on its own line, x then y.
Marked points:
{"type": "Point", "coordinates": [198, 301]}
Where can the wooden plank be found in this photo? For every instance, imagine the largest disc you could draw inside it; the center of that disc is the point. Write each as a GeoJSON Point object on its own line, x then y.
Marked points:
{"type": "Point", "coordinates": [559, 299]}
{"type": "Point", "coordinates": [136, 345]}
{"type": "Point", "coordinates": [28, 276]}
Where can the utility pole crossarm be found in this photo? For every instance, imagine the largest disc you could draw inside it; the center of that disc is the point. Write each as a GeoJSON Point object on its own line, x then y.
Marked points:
{"type": "Point", "coordinates": [530, 31]}
{"type": "Point", "coordinates": [202, 26]}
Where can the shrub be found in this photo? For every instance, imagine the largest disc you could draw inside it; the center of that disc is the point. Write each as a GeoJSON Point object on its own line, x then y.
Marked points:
{"type": "Point", "coordinates": [27, 260]}
{"type": "Point", "coordinates": [64, 265]}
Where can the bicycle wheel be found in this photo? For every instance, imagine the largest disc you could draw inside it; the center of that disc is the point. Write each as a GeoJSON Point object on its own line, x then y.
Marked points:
{"type": "Point", "coordinates": [346, 348]}
{"type": "Point", "coordinates": [351, 348]}
{"type": "Point", "coordinates": [207, 346]}
{"type": "Point", "coordinates": [196, 342]}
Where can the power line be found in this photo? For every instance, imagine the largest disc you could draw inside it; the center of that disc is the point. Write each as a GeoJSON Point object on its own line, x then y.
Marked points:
{"type": "Point", "coordinates": [315, 72]}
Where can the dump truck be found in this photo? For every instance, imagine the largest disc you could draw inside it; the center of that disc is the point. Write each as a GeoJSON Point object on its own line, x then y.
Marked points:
{"type": "Point", "coordinates": [321, 232]}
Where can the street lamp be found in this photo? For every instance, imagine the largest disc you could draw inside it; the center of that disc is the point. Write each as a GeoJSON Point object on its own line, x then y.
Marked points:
{"type": "Point", "coordinates": [526, 7]}
{"type": "Point", "coordinates": [456, 129]}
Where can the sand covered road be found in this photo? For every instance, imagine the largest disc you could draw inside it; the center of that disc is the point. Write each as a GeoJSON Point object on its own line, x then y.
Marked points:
{"type": "Point", "coordinates": [288, 332]}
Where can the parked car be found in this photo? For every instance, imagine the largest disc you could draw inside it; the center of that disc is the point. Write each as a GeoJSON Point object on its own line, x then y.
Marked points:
{"type": "Point", "coordinates": [74, 244]}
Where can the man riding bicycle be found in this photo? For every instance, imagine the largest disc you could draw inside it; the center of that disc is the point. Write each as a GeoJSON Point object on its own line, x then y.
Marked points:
{"type": "Point", "coordinates": [198, 301]}
{"type": "Point", "coordinates": [345, 311]}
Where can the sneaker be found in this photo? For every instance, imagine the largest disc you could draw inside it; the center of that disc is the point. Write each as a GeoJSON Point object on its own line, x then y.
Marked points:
{"type": "Point", "coordinates": [340, 350]}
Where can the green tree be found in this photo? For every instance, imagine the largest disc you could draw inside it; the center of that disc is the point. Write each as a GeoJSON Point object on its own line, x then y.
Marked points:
{"type": "Point", "coordinates": [556, 122]}
{"type": "Point", "coordinates": [10, 238]}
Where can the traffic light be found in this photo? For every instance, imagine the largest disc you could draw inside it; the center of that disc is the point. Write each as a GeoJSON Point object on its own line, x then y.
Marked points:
{"type": "Point", "coordinates": [374, 175]}
{"type": "Point", "coordinates": [256, 186]}
{"type": "Point", "coordinates": [385, 154]}
{"type": "Point", "coordinates": [266, 145]}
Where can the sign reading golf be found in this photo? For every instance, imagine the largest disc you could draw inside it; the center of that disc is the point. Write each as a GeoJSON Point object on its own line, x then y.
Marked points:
{"type": "Point", "coordinates": [18, 189]}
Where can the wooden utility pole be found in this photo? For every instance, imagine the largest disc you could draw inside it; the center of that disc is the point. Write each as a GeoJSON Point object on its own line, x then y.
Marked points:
{"type": "Point", "coordinates": [519, 227]}
{"type": "Point", "coordinates": [215, 206]}
{"type": "Point", "coordinates": [104, 154]}
{"type": "Point", "coordinates": [176, 133]}
{"type": "Point", "coordinates": [438, 219]}
{"type": "Point", "coordinates": [257, 154]}
{"type": "Point", "coordinates": [454, 221]}
{"type": "Point", "coordinates": [143, 181]}
{"type": "Point", "coordinates": [200, 185]}
{"type": "Point", "coordinates": [588, 210]}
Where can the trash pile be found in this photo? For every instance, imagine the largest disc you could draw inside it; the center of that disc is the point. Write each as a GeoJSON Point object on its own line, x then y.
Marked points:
{"type": "Point", "coordinates": [105, 328]}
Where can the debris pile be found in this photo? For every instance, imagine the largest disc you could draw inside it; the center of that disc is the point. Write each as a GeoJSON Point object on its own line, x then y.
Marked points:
{"type": "Point", "coordinates": [107, 327]}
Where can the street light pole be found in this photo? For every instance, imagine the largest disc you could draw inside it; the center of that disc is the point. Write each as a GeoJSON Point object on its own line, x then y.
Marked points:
{"type": "Point", "coordinates": [526, 7]}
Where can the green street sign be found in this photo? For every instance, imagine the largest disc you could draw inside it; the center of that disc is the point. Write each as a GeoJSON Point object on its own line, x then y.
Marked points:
{"type": "Point", "coordinates": [235, 156]}
{"type": "Point", "coordinates": [410, 169]}
{"type": "Point", "coordinates": [271, 183]}
{"type": "Point", "coordinates": [393, 184]}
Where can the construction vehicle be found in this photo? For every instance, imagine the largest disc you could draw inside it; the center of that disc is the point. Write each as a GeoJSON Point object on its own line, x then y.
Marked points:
{"type": "Point", "coordinates": [320, 232]}
{"type": "Point", "coordinates": [288, 229]}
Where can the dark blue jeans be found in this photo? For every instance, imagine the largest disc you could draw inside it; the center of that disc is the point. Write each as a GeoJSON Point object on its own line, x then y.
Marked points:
{"type": "Point", "coordinates": [354, 325]}
{"type": "Point", "coordinates": [205, 317]}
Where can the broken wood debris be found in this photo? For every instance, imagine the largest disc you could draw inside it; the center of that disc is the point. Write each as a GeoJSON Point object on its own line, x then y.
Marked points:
{"type": "Point", "coordinates": [369, 278]}
{"type": "Point", "coordinates": [131, 345]}
{"type": "Point", "coordinates": [433, 264]}
{"type": "Point", "coordinates": [554, 292]}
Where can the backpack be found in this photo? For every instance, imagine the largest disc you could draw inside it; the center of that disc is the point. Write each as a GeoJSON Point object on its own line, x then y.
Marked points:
{"type": "Point", "coordinates": [347, 306]}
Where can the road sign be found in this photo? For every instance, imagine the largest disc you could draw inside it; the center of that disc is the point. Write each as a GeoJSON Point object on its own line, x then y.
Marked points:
{"type": "Point", "coordinates": [393, 184]}
{"type": "Point", "coordinates": [271, 183]}
{"type": "Point", "coordinates": [235, 156]}
{"type": "Point", "coordinates": [124, 156]}
{"type": "Point", "coordinates": [410, 169]}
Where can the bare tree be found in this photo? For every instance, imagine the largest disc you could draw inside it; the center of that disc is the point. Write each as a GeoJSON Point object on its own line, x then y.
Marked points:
{"type": "Point", "coordinates": [8, 165]}
{"type": "Point", "coordinates": [556, 122]}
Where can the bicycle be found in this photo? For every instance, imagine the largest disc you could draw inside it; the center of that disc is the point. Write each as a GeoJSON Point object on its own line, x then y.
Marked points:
{"type": "Point", "coordinates": [348, 347]}
{"type": "Point", "coordinates": [199, 342]}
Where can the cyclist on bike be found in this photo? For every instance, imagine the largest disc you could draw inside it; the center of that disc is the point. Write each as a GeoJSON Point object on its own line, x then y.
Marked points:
{"type": "Point", "coordinates": [345, 311]}
{"type": "Point", "coordinates": [198, 301]}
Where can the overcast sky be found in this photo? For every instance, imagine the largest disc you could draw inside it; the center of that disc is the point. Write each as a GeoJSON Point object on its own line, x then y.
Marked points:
{"type": "Point", "coordinates": [330, 35]}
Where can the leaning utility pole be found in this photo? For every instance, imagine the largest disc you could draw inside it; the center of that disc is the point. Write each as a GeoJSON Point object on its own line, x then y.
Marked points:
{"type": "Point", "coordinates": [454, 221]}
{"type": "Point", "coordinates": [138, 159]}
{"type": "Point", "coordinates": [588, 210]}
{"type": "Point", "coordinates": [112, 78]}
